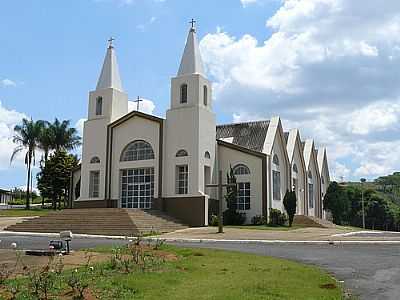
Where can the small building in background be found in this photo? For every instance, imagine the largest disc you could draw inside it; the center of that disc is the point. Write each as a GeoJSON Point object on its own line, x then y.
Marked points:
{"type": "Point", "coordinates": [5, 196]}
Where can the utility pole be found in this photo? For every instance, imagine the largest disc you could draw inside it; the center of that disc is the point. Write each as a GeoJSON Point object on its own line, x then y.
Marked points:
{"type": "Point", "coordinates": [220, 185]}
{"type": "Point", "coordinates": [363, 180]}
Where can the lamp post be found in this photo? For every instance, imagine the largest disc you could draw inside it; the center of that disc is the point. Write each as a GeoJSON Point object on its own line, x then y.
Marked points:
{"type": "Point", "coordinates": [363, 180]}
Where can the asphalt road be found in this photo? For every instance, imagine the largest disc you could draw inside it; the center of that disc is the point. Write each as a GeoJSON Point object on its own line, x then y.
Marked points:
{"type": "Point", "coordinates": [369, 271]}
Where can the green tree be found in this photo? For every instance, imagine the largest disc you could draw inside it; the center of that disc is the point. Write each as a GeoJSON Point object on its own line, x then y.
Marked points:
{"type": "Point", "coordinates": [63, 136]}
{"type": "Point", "coordinates": [231, 215]}
{"type": "Point", "coordinates": [290, 202]}
{"type": "Point", "coordinates": [337, 202]}
{"type": "Point", "coordinates": [54, 177]}
{"type": "Point", "coordinates": [26, 137]}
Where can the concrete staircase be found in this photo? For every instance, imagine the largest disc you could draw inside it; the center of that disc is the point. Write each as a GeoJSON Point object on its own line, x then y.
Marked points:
{"type": "Point", "coordinates": [101, 221]}
{"type": "Point", "coordinates": [309, 221]}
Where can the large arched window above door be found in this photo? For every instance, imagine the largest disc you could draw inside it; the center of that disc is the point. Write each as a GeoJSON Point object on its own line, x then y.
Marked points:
{"type": "Point", "coordinates": [241, 170]}
{"type": "Point", "coordinates": [137, 150]}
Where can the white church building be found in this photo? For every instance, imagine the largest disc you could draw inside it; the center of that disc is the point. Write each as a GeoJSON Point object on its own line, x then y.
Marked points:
{"type": "Point", "coordinates": [137, 160]}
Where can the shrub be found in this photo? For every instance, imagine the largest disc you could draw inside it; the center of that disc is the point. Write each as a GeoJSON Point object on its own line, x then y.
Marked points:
{"type": "Point", "coordinates": [276, 217]}
{"type": "Point", "coordinates": [213, 220]}
{"type": "Point", "coordinates": [233, 217]}
{"type": "Point", "coordinates": [290, 201]}
{"type": "Point", "coordinates": [258, 220]}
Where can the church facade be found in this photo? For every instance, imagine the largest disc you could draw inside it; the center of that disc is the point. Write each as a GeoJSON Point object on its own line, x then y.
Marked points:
{"type": "Point", "coordinates": [141, 161]}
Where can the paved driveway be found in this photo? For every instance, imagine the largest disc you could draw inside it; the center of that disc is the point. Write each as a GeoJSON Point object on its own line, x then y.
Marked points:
{"type": "Point", "coordinates": [371, 271]}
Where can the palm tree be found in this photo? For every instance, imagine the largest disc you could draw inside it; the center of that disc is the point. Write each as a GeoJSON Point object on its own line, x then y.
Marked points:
{"type": "Point", "coordinates": [64, 137]}
{"type": "Point", "coordinates": [26, 136]}
{"type": "Point", "coordinates": [46, 140]}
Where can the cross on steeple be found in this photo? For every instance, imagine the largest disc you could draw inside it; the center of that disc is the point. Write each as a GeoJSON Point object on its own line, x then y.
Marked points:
{"type": "Point", "coordinates": [192, 22]}
{"type": "Point", "coordinates": [138, 100]}
{"type": "Point", "coordinates": [110, 42]}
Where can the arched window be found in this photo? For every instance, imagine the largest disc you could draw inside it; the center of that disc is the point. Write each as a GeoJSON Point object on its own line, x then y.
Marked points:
{"type": "Point", "coordinates": [181, 153]}
{"type": "Point", "coordinates": [295, 170]}
{"type": "Point", "coordinates": [322, 180]}
{"type": "Point", "coordinates": [95, 160]}
{"type": "Point", "coordinates": [137, 150]}
{"type": "Point", "coordinates": [310, 190]}
{"type": "Point", "coordinates": [275, 160]}
{"type": "Point", "coordinates": [184, 90]}
{"type": "Point", "coordinates": [276, 179]}
{"type": "Point", "coordinates": [241, 170]}
{"type": "Point", "coordinates": [205, 95]}
{"type": "Point", "coordinates": [207, 155]}
{"type": "Point", "coordinates": [99, 106]}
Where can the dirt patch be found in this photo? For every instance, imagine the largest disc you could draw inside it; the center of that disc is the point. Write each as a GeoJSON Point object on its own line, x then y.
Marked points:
{"type": "Point", "coordinates": [328, 286]}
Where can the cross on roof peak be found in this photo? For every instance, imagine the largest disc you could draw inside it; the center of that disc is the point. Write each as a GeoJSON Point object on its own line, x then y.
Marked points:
{"type": "Point", "coordinates": [138, 100]}
{"type": "Point", "coordinates": [193, 22]}
{"type": "Point", "coordinates": [110, 42]}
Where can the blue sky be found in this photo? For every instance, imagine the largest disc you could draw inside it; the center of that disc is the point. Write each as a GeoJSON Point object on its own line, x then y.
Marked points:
{"type": "Point", "coordinates": [329, 67]}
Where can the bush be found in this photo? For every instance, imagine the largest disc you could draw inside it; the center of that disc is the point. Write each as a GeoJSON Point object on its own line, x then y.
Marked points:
{"type": "Point", "coordinates": [258, 220]}
{"type": "Point", "coordinates": [290, 201]}
{"type": "Point", "coordinates": [213, 220]}
{"type": "Point", "coordinates": [276, 217]}
{"type": "Point", "coordinates": [232, 217]}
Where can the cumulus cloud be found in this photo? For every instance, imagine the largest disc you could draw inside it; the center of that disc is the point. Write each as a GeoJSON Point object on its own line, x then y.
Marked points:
{"type": "Point", "coordinates": [330, 68]}
{"type": "Point", "coordinates": [8, 120]}
{"type": "Point", "coordinates": [147, 106]}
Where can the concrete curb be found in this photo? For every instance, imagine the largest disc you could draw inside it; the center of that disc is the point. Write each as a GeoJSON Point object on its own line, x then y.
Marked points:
{"type": "Point", "coordinates": [227, 241]}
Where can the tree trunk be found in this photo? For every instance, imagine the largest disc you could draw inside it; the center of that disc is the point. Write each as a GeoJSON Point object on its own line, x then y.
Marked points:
{"type": "Point", "coordinates": [28, 183]}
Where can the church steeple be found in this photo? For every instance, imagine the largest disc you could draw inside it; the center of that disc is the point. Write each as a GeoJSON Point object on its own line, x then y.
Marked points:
{"type": "Point", "coordinates": [109, 77]}
{"type": "Point", "coordinates": [191, 62]}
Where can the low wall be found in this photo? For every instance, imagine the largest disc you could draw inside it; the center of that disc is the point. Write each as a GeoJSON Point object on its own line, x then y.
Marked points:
{"type": "Point", "coordinates": [189, 210]}
{"type": "Point", "coordinates": [110, 203]}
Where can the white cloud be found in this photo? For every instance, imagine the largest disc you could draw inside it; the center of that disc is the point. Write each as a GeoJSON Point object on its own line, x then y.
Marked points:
{"type": "Point", "coordinates": [247, 2]}
{"type": "Point", "coordinates": [147, 106]}
{"type": "Point", "coordinates": [8, 120]}
{"type": "Point", "coordinates": [8, 82]}
{"type": "Point", "coordinates": [79, 126]}
{"type": "Point", "coordinates": [144, 25]}
{"type": "Point", "coordinates": [330, 68]}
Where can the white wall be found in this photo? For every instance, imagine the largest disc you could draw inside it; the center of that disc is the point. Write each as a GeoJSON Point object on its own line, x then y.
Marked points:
{"type": "Point", "coordinates": [230, 157]}
{"type": "Point", "coordinates": [301, 175]}
{"type": "Point", "coordinates": [313, 167]}
{"type": "Point", "coordinates": [135, 128]}
{"type": "Point", "coordinates": [279, 148]}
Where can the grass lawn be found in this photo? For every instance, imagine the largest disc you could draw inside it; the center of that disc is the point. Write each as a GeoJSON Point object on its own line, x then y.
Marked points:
{"type": "Point", "coordinates": [23, 212]}
{"type": "Point", "coordinates": [266, 227]}
{"type": "Point", "coordinates": [209, 274]}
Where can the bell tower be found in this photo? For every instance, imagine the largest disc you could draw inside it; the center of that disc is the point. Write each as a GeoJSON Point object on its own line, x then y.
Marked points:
{"type": "Point", "coordinates": [190, 125]}
{"type": "Point", "coordinates": [107, 103]}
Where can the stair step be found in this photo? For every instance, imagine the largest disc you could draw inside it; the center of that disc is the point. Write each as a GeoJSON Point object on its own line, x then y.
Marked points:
{"type": "Point", "coordinates": [109, 221]}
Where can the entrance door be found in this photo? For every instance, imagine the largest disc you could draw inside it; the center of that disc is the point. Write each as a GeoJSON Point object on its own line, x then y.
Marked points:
{"type": "Point", "coordinates": [137, 188]}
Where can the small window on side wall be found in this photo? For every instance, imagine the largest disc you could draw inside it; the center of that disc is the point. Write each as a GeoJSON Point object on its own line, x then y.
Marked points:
{"type": "Point", "coordinates": [99, 106]}
{"type": "Point", "coordinates": [181, 153]}
{"type": "Point", "coordinates": [95, 160]}
{"type": "Point", "coordinates": [207, 155]}
{"type": "Point", "coordinates": [205, 95]}
{"type": "Point", "coordinates": [184, 91]}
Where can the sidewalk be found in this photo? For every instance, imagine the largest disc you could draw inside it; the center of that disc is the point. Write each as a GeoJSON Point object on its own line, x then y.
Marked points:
{"type": "Point", "coordinates": [309, 234]}
{"type": "Point", "coordinates": [7, 221]}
